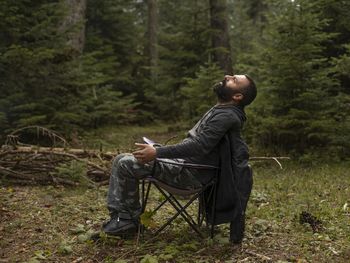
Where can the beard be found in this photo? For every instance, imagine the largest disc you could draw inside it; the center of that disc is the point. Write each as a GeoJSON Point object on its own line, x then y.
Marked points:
{"type": "Point", "coordinates": [222, 92]}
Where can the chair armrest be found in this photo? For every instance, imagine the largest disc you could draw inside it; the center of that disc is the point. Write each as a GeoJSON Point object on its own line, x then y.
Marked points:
{"type": "Point", "coordinates": [188, 165]}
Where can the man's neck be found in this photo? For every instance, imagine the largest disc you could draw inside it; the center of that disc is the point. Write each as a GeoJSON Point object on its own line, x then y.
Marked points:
{"type": "Point", "coordinates": [226, 103]}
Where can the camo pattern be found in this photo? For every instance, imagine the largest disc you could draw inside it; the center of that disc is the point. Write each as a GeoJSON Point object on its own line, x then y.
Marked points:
{"type": "Point", "coordinates": [123, 192]}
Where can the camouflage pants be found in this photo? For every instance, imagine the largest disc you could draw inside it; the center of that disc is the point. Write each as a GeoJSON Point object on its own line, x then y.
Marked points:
{"type": "Point", "coordinates": [123, 192]}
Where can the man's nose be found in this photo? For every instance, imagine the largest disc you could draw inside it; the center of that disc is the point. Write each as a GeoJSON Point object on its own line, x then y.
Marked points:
{"type": "Point", "coordinates": [228, 77]}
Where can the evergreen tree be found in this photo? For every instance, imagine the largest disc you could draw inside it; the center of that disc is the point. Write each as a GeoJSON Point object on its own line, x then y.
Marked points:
{"type": "Point", "coordinates": [53, 75]}
{"type": "Point", "coordinates": [44, 79]}
{"type": "Point", "coordinates": [113, 61]}
{"type": "Point", "coordinates": [245, 36]}
{"type": "Point", "coordinates": [198, 92]}
{"type": "Point", "coordinates": [220, 35]}
{"type": "Point", "coordinates": [152, 43]}
{"type": "Point", "coordinates": [297, 94]}
{"type": "Point", "coordinates": [340, 138]}
{"type": "Point", "coordinates": [113, 32]}
{"type": "Point", "coordinates": [184, 43]}
{"type": "Point", "coordinates": [337, 13]}
{"type": "Point", "coordinates": [35, 64]}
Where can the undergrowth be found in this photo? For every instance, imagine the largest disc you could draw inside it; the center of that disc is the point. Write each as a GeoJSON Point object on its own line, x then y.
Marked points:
{"type": "Point", "coordinates": [54, 223]}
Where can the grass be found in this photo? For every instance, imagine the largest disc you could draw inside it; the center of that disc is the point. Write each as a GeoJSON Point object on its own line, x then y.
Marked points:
{"type": "Point", "coordinates": [53, 223]}
{"type": "Point", "coordinates": [122, 138]}
{"type": "Point", "coordinates": [47, 223]}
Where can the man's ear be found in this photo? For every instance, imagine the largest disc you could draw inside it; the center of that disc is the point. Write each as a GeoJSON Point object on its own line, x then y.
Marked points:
{"type": "Point", "coordinates": [237, 97]}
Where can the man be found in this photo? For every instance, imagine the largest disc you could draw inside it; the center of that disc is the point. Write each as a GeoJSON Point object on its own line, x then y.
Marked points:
{"type": "Point", "coordinates": [214, 140]}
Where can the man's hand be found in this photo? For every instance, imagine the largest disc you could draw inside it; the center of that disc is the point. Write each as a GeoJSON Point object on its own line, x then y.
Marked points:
{"type": "Point", "coordinates": [146, 153]}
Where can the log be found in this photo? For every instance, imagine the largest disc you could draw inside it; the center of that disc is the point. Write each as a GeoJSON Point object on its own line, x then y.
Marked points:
{"type": "Point", "coordinates": [45, 150]}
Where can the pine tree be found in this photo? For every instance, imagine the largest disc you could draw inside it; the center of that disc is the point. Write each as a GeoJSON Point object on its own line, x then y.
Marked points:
{"type": "Point", "coordinates": [184, 43]}
{"type": "Point", "coordinates": [297, 91]}
{"type": "Point", "coordinates": [45, 80]}
{"type": "Point", "coordinates": [111, 62]}
{"type": "Point", "coordinates": [220, 35]}
{"type": "Point", "coordinates": [198, 92]}
{"type": "Point", "coordinates": [340, 138]}
{"type": "Point", "coordinates": [35, 64]}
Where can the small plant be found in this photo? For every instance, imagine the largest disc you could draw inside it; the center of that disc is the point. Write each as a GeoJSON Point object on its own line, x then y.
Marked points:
{"type": "Point", "coordinates": [73, 171]}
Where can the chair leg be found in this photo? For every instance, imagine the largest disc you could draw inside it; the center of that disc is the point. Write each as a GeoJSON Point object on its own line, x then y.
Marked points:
{"type": "Point", "coordinates": [145, 197]}
{"type": "Point", "coordinates": [213, 213]}
{"type": "Point", "coordinates": [200, 213]}
{"type": "Point", "coordinates": [180, 211]}
{"type": "Point", "coordinates": [184, 211]}
{"type": "Point", "coordinates": [160, 205]}
{"type": "Point", "coordinates": [202, 207]}
{"type": "Point", "coordinates": [179, 205]}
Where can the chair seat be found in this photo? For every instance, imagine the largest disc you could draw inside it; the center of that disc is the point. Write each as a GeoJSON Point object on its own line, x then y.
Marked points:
{"type": "Point", "coordinates": [171, 189]}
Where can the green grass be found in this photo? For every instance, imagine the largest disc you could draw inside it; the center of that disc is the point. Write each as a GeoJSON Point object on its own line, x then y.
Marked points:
{"type": "Point", "coordinates": [280, 196]}
{"type": "Point", "coordinates": [122, 138]}
{"type": "Point", "coordinates": [46, 223]}
{"type": "Point", "coordinates": [53, 223]}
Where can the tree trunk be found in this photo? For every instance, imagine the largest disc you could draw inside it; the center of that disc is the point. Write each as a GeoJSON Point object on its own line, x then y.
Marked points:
{"type": "Point", "coordinates": [220, 35]}
{"type": "Point", "coordinates": [74, 23]}
{"type": "Point", "coordinates": [152, 38]}
{"type": "Point", "coordinates": [255, 10]}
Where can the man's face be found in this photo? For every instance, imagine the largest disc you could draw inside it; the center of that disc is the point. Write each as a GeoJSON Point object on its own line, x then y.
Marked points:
{"type": "Point", "coordinates": [236, 82]}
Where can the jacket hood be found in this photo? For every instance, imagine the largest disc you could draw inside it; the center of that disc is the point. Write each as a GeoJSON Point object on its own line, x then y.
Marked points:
{"type": "Point", "coordinates": [239, 111]}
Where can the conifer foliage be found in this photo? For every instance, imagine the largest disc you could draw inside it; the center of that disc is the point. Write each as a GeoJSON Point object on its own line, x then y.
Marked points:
{"type": "Point", "coordinates": [44, 81]}
{"type": "Point", "coordinates": [299, 81]}
{"type": "Point", "coordinates": [140, 60]}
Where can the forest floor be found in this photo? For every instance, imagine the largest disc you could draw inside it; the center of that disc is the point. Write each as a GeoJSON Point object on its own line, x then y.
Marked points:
{"type": "Point", "coordinates": [53, 223]}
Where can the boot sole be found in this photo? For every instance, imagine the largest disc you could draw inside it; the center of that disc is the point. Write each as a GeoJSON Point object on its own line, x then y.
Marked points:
{"type": "Point", "coordinates": [123, 232]}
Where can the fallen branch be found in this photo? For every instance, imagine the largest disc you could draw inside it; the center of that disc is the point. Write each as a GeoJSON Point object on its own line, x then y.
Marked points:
{"type": "Point", "coordinates": [78, 152]}
{"type": "Point", "coordinates": [263, 257]}
{"type": "Point", "coordinates": [15, 174]}
{"type": "Point", "coordinates": [13, 137]}
{"type": "Point", "coordinates": [270, 158]}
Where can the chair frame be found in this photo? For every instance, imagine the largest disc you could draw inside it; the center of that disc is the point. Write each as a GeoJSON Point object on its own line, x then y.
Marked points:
{"type": "Point", "coordinates": [169, 191]}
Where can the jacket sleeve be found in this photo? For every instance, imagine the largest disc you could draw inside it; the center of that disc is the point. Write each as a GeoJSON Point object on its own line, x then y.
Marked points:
{"type": "Point", "coordinates": [205, 141]}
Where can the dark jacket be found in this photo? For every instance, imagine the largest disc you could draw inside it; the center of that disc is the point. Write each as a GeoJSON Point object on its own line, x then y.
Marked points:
{"type": "Point", "coordinates": [216, 140]}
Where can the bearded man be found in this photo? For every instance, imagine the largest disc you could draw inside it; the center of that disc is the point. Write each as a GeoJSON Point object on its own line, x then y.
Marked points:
{"type": "Point", "coordinates": [215, 140]}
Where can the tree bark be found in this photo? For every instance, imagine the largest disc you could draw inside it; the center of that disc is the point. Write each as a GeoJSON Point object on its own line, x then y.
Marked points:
{"type": "Point", "coordinates": [74, 23]}
{"type": "Point", "coordinates": [152, 38]}
{"type": "Point", "coordinates": [256, 10]}
{"type": "Point", "coordinates": [220, 35]}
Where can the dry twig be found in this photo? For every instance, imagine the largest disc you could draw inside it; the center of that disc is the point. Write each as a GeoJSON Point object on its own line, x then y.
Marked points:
{"type": "Point", "coordinates": [263, 257]}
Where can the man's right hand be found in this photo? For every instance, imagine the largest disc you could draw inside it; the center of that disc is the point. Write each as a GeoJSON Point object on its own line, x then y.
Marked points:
{"type": "Point", "coordinates": [146, 153]}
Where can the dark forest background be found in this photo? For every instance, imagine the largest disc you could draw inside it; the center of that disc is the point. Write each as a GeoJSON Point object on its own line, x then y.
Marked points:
{"type": "Point", "coordinates": [75, 66]}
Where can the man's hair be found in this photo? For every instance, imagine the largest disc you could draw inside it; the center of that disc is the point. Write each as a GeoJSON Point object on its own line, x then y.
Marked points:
{"type": "Point", "coordinates": [249, 92]}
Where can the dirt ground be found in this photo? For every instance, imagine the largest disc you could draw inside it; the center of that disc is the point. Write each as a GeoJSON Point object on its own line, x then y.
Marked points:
{"type": "Point", "coordinates": [54, 223]}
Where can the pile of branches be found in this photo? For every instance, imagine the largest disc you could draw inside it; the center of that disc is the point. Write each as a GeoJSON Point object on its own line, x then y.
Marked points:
{"type": "Point", "coordinates": [30, 164]}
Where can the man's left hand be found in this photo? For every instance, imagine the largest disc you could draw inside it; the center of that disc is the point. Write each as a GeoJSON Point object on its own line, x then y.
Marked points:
{"type": "Point", "coordinates": [146, 153]}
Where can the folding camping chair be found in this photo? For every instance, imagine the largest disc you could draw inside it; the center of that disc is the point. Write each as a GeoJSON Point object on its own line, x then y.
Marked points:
{"type": "Point", "coordinates": [170, 193]}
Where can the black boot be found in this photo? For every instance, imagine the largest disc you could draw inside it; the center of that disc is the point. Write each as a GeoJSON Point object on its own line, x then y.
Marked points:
{"type": "Point", "coordinates": [118, 226]}
{"type": "Point", "coordinates": [237, 229]}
